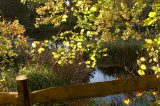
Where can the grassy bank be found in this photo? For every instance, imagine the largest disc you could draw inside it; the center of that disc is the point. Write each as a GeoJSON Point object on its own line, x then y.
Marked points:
{"type": "Point", "coordinates": [122, 52]}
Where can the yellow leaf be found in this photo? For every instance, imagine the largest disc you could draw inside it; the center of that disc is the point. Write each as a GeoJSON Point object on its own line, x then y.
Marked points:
{"type": "Point", "coordinates": [139, 94]}
{"type": "Point", "coordinates": [70, 61]}
{"type": "Point", "coordinates": [150, 54]}
{"type": "Point", "coordinates": [149, 41]}
{"type": "Point", "coordinates": [96, 39]}
{"type": "Point", "coordinates": [105, 49]}
{"type": "Point", "coordinates": [87, 66]}
{"type": "Point", "coordinates": [45, 41]}
{"type": "Point", "coordinates": [142, 59]}
{"type": "Point", "coordinates": [150, 60]}
{"type": "Point", "coordinates": [126, 101]}
{"type": "Point", "coordinates": [105, 54]}
{"type": "Point", "coordinates": [149, 48]}
{"type": "Point", "coordinates": [141, 72]}
{"type": "Point", "coordinates": [87, 62]}
{"type": "Point", "coordinates": [154, 93]}
{"type": "Point", "coordinates": [158, 101]}
{"type": "Point", "coordinates": [139, 62]}
{"type": "Point", "coordinates": [82, 30]}
{"type": "Point", "coordinates": [143, 67]}
{"type": "Point", "coordinates": [155, 59]}
{"type": "Point", "coordinates": [53, 53]}
{"type": "Point", "coordinates": [100, 51]}
{"type": "Point", "coordinates": [33, 45]}
{"type": "Point", "coordinates": [40, 50]}
{"type": "Point", "coordinates": [56, 56]}
{"type": "Point", "coordinates": [154, 68]}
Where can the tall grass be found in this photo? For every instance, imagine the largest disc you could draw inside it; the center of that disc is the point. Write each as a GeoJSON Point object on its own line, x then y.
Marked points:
{"type": "Point", "coordinates": [45, 72]}
{"type": "Point", "coordinates": [122, 52]}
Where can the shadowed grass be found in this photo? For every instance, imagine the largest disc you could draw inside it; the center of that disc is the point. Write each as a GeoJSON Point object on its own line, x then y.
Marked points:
{"type": "Point", "coordinates": [122, 52]}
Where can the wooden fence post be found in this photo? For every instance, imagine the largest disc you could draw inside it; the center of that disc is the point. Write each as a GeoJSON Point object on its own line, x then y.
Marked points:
{"type": "Point", "coordinates": [24, 98]}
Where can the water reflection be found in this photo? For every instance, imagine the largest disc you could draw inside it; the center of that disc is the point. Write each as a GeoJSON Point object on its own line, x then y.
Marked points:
{"type": "Point", "coordinates": [114, 73]}
{"type": "Point", "coordinates": [109, 74]}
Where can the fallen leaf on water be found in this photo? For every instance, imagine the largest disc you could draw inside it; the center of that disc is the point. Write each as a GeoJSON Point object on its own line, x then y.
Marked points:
{"type": "Point", "coordinates": [154, 93]}
{"type": "Point", "coordinates": [126, 101]}
{"type": "Point", "coordinates": [139, 94]}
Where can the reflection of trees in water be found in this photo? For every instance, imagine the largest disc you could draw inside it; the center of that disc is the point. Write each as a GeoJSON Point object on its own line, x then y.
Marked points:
{"type": "Point", "coordinates": [121, 73]}
{"type": "Point", "coordinates": [117, 72]}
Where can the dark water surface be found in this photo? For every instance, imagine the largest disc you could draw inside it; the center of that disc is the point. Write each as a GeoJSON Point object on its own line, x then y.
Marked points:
{"type": "Point", "coordinates": [114, 73]}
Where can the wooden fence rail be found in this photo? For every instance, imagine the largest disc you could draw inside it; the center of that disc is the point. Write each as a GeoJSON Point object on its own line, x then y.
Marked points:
{"type": "Point", "coordinates": [57, 94]}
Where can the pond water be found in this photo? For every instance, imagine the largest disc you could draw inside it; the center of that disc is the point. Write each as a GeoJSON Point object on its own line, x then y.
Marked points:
{"type": "Point", "coordinates": [114, 73]}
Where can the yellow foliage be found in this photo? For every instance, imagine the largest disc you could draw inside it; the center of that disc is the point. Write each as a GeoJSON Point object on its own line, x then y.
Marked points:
{"type": "Point", "coordinates": [126, 101]}
{"type": "Point", "coordinates": [149, 41]}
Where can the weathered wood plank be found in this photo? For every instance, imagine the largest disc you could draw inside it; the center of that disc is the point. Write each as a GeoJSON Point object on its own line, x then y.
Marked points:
{"type": "Point", "coordinates": [57, 94]}
{"type": "Point", "coordinates": [24, 98]}
{"type": "Point", "coordinates": [8, 98]}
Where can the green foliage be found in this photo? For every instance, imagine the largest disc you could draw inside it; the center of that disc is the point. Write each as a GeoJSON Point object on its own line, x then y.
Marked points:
{"type": "Point", "coordinates": [40, 77]}
{"type": "Point", "coordinates": [97, 21]}
{"type": "Point", "coordinates": [10, 35]}
{"type": "Point", "coordinates": [155, 15]}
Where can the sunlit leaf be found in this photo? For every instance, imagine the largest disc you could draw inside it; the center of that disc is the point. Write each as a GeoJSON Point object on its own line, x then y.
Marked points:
{"type": "Point", "coordinates": [142, 59]}
{"type": "Point", "coordinates": [149, 41]}
{"type": "Point", "coordinates": [87, 62]}
{"type": "Point", "coordinates": [141, 72]}
{"type": "Point", "coordinates": [36, 42]}
{"type": "Point", "coordinates": [79, 3]}
{"type": "Point", "coordinates": [96, 39]}
{"type": "Point", "coordinates": [139, 94]}
{"type": "Point", "coordinates": [87, 66]}
{"type": "Point", "coordinates": [40, 50]}
{"type": "Point", "coordinates": [62, 53]}
{"type": "Point", "coordinates": [93, 65]}
{"type": "Point", "coordinates": [100, 51]}
{"type": "Point", "coordinates": [139, 62]}
{"type": "Point", "coordinates": [92, 58]}
{"type": "Point", "coordinates": [152, 14]}
{"type": "Point", "coordinates": [143, 67]}
{"type": "Point", "coordinates": [53, 53]}
{"type": "Point", "coordinates": [70, 61]}
{"type": "Point", "coordinates": [148, 21]}
{"type": "Point", "coordinates": [155, 93]}
{"type": "Point", "coordinates": [59, 62]}
{"type": "Point", "coordinates": [105, 49]}
{"type": "Point", "coordinates": [45, 41]}
{"type": "Point", "coordinates": [56, 56]}
{"type": "Point", "coordinates": [33, 45]}
{"type": "Point", "coordinates": [93, 9]}
{"type": "Point", "coordinates": [64, 16]}
{"type": "Point", "coordinates": [82, 30]}
{"type": "Point", "coordinates": [155, 59]}
{"type": "Point", "coordinates": [126, 101]}
{"type": "Point", "coordinates": [105, 54]}
{"type": "Point", "coordinates": [154, 68]}
{"type": "Point", "coordinates": [150, 60]}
